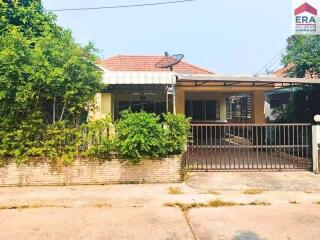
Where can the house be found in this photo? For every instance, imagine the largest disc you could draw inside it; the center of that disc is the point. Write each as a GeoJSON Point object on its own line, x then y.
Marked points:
{"type": "Point", "coordinates": [280, 97]}
{"type": "Point", "coordinates": [135, 82]}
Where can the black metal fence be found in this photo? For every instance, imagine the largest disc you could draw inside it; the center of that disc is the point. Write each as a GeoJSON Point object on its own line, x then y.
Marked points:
{"type": "Point", "coordinates": [249, 147]}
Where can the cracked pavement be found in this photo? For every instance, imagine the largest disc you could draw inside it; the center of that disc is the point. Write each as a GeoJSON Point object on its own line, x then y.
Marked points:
{"type": "Point", "coordinates": [138, 211]}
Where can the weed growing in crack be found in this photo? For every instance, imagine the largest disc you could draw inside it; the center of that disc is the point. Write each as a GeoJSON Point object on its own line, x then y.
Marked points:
{"type": "Point", "coordinates": [174, 190]}
{"type": "Point", "coordinates": [258, 203]}
{"type": "Point", "coordinates": [212, 204]}
{"type": "Point", "coordinates": [253, 191]}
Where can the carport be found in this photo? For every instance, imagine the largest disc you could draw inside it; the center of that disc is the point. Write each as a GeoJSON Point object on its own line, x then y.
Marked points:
{"type": "Point", "coordinates": [254, 145]}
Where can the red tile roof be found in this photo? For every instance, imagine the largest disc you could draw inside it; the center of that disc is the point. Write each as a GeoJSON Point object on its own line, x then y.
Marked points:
{"type": "Point", "coordinates": [147, 63]}
{"type": "Point", "coordinates": [283, 72]}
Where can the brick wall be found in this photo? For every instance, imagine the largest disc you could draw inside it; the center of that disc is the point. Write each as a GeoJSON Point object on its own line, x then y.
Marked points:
{"type": "Point", "coordinates": [166, 170]}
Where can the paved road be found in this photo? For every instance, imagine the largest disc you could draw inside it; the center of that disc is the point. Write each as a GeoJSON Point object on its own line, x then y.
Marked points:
{"type": "Point", "coordinates": [93, 223]}
{"type": "Point", "coordinates": [287, 222]}
{"type": "Point", "coordinates": [164, 223]}
{"type": "Point", "coordinates": [132, 212]}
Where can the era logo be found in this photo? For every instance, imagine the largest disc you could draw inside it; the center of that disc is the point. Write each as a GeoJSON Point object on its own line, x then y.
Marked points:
{"type": "Point", "coordinates": [305, 19]}
{"type": "Point", "coordinates": [306, 9]}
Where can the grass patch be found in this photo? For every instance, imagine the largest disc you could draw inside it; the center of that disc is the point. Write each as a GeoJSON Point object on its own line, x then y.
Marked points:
{"type": "Point", "coordinates": [185, 206]}
{"type": "Point", "coordinates": [253, 191]}
{"type": "Point", "coordinates": [219, 203]}
{"type": "Point", "coordinates": [293, 202]}
{"type": "Point", "coordinates": [25, 206]}
{"type": "Point", "coordinates": [213, 204]}
{"type": "Point", "coordinates": [174, 190]}
{"type": "Point", "coordinates": [258, 203]}
{"type": "Point", "coordinates": [44, 205]}
{"type": "Point", "coordinates": [102, 205]}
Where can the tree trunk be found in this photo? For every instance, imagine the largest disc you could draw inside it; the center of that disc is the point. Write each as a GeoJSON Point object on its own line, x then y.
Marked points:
{"type": "Point", "coordinates": [54, 110]}
{"type": "Point", "coordinates": [63, 109]}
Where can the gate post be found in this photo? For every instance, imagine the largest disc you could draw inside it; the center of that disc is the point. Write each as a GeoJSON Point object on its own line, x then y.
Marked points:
{"type": "Point", "coordinates": [315, 144]}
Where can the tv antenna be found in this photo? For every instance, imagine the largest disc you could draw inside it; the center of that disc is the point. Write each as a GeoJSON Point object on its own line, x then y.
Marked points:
{"type": "Point", "coordinates": [169, 61]}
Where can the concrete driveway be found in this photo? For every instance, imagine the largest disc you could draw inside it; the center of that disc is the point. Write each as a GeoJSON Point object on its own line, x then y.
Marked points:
{"type": "Point", "coordinates": [235, 181]}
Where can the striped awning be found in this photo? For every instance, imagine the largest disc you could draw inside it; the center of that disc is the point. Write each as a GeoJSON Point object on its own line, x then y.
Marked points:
{"type": "Point", "coordinates": [135, 77]}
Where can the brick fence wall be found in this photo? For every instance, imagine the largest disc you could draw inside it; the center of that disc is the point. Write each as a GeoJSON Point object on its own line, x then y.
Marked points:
{"type": "Point", "coordinates": [166, 170]}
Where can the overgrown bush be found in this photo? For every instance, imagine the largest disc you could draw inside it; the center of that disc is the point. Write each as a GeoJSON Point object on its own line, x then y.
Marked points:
{"type": "Point", "coordinates": [96, 138]}
{"type": "Point", "coordinates": [134, 136]}
{"type": "Point", "coordinates": [24, 141]}
{"type": "Point", "coordinates": [139, 135]}
{"type": "Point", "coordinates": [176, 132]}
{"type": "Point", "coordinates": [62, 143]}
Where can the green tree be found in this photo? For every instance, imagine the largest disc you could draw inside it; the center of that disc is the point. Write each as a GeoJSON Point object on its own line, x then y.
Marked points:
{"type": "Point", "coordinates": [45, 76]}
{"type": "Point", "coordinates": [303, 60]}
{"type": "Point", "coordinates": [303, 56]}
{"type": "Point", "coordinates": [28, 15]}
{"type": "Point", "coordinates": [42, 68]}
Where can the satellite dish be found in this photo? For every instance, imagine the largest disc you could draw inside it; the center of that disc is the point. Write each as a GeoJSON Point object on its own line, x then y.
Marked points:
{"type": "Point", "coordinates": [169, 61]}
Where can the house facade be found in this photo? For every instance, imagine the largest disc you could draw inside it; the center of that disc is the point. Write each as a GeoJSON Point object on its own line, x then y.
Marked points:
{"type": "Point", "coordinates": [135, 82]}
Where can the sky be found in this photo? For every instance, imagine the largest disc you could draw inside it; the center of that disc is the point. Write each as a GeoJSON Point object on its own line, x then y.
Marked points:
{"type": "Point", "coordinates": [225, 36]}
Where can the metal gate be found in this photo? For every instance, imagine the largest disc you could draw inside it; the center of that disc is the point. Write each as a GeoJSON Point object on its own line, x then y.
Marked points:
{"type": "Point", "coordinates": [249, 147]}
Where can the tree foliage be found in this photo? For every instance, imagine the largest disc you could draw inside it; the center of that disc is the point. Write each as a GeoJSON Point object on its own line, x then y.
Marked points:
{"type": "Point", "coordinates": [45, 76]}
{"type": "Point", "coordinates": [139, 135]}
{"type": "Point", "coordinates": [177, 130]}
{"type": "Point", "coordinates": [28, 16]}
{"type": "Point", "coordinates": [302, 59]}
{"type": "Point", "coordinates": [48, 82]}
{"type": "Point", "coordinates": [42, 69]}
{"type": "Point", "coordinates": [142, 135]}
{"type": "Point", "coordinates": [303, 56]}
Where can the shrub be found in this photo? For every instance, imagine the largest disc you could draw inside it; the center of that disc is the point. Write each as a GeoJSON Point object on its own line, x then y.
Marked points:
{"type": "Point", "coordinates": [62, 143]}
{"type": "Point", "coordinates": [176, 132]}
{"type": "Point", "coordinates": [139, 135]}
{"type": "Point", "coordinates": [22, 141]}
{"type": "Point", "coordinates": [96, 140]}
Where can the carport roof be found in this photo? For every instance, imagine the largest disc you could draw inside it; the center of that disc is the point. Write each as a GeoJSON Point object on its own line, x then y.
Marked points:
{"type": "Point", "coordinates": [229, 80]}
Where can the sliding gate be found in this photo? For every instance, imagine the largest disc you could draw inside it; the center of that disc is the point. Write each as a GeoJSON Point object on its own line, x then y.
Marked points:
{"type": "Point", "coordinates": [249, 147]}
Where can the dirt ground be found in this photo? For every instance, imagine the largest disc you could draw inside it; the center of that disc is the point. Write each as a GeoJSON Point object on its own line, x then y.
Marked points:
{"type": "Point", "coordinates": [259, 206]}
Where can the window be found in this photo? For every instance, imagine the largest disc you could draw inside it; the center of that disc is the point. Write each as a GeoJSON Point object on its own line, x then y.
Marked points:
{"type": "Point", "coordinates": [239, 106]}
{"type": "Point", "coordinates": [229, 108]}
{"type": "Point", "coordinates": [202, 110]}
{"type": "Point", "coordinates": [198, 111]}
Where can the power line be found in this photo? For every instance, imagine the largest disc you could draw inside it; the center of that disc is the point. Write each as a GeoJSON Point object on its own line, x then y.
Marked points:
{"type": "Point", "coordinates": [271, 63]}
{"type": "Point", "coordinates": [120, 6]}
